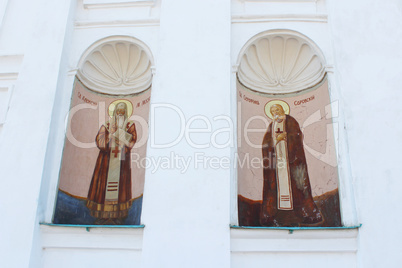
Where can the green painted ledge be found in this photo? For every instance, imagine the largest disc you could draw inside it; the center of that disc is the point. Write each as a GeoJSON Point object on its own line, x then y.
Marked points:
{"type": "Point", "coordinates": [93, 226]}
{"type": "Point", "coordinates": [291, 229]}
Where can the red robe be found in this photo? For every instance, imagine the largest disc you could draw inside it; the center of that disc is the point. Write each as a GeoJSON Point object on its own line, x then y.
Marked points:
{"type": "Point", "coordinates": [305, 210]}
{"type": "Point", "coordinates": [97, 190]}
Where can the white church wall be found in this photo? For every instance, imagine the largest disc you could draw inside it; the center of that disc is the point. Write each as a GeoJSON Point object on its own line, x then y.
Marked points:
{"type": "Point", "coordinates": [366, 37]}
{"type": "Point", "coordinates": [11, 26]}
{"type": "Point", "coordinates": [89, 25]}
{"type": "Point", "coordinates": [305, 248]}
{"type": "Point", "coordinates": [275, 246]}
{"type": "Point", "coordinates": [100, 247]}
{"type": "Point", "coordinates": [82, 39]}
{"type": "Point", "coordinates": [28, 120]}
{"type": "Point", "coordinates": [187, 215]}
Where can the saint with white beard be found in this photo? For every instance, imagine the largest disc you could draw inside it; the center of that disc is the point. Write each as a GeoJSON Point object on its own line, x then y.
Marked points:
{"type": "Point", "coordinates": [109, 196]}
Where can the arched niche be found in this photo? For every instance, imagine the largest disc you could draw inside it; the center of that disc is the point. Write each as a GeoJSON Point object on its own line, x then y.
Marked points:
{"type": "Point", "coordinates": [101, 177]}
{"type": "Point", "coordinates": [118, 65]}
{"type": "Point", "coordinates": [287, 165]}
{"type": "Point", "coordinates": [280, 62]}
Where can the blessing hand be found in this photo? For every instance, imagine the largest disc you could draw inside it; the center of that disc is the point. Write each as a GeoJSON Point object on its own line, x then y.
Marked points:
{"type": "Point", "coordinates": [117, 141]}
{"type": "Point", "coordinates": [280, 137]}
{"type": "Point", "coordinates": [113, 128]}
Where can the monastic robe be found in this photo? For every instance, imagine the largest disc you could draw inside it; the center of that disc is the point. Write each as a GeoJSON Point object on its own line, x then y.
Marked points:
{"type": "Point", "coordinates": [290, 172]}
{"type": "Point", "coordinates": [109, 195]}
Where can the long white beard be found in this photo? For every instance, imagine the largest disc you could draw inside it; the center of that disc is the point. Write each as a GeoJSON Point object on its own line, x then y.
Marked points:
{"type": "Point", "coordinates": [120, 121]}
{"type": "Point", "coordinates": [279, 118]}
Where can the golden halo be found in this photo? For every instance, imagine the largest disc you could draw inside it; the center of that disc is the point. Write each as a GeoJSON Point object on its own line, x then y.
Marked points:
{"type": "Point", "coordinates": [112, 106]}
{"type": "Point", "coordinates": [269, 104]}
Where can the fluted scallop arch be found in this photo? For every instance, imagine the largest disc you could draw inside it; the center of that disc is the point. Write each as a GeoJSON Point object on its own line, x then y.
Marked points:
{"type": "Point", "coordinates": [280, 62]}
{"type": "Point", "coordinates": [116, 65]}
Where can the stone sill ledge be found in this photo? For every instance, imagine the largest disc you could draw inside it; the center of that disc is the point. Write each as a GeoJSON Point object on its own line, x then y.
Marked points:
{"type": "Point", "coordinates": [291, 229]}
{"type": "Point", "coordinates": [87, 227]}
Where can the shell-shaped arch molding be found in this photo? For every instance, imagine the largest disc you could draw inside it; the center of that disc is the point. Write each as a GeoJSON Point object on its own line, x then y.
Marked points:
{"type": "Point", "coordinates": [280, 62]}
{"type": "Point", "coordinates": [118, 66]}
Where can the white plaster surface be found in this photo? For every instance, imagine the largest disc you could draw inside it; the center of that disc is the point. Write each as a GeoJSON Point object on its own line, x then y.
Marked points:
{"type": "Point", "coordinates": [366, 38]}
{"type": "Point", "coordinates": [24, 136]}
{"type": "Point", "coordinates": [194, 45]}
{"type": "Point", "coordinates": [188, 214]}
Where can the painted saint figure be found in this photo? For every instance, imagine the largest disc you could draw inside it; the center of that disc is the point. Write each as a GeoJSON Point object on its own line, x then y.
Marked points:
{"type": "Point", "coordinates": [109, 196]}
{"type": "Point", "coordinates": [286, 180]}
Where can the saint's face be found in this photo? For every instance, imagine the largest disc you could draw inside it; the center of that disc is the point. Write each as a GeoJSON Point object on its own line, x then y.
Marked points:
{"type": "Point", "coordinates": [277, 112]}
{"type": "Point", "coordinates": [120, 109]}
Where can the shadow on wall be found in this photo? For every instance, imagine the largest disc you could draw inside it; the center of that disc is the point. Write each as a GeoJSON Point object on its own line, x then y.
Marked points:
{"type": "Point", "coordinates": [72, 210]}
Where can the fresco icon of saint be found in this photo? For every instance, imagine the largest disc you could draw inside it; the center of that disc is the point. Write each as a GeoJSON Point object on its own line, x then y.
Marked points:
{"type": "Point", "coordinates": [286, 179]}
{"type": "Point", "coordinates": [109, 196]}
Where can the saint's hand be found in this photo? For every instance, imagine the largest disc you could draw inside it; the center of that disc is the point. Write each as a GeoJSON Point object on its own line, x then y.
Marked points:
{"type": "Point", "coordinates": [117, 141]}
{"type": "Point", "coordinates": [113, 128]}
{"type": "Point", "coordinates": [280, 137]}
